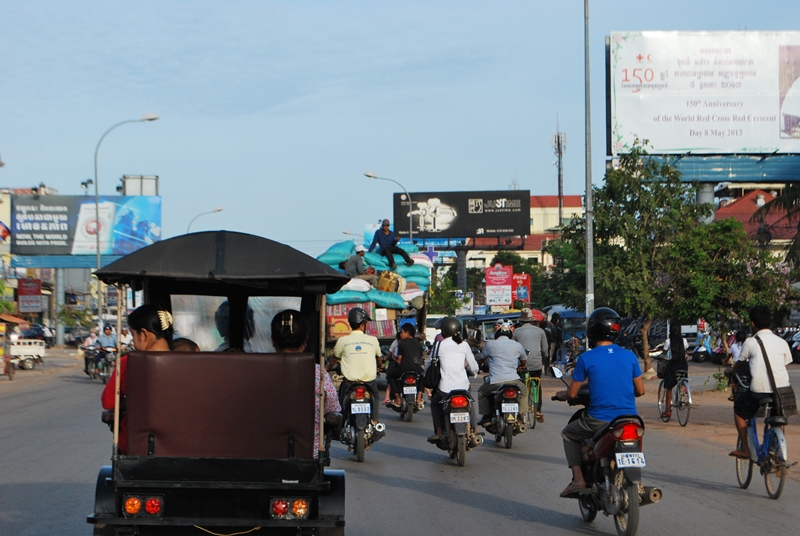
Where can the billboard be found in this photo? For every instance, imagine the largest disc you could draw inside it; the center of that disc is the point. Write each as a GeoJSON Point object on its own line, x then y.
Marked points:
{"type": "Point", "coordinates": [499, 281]}
{"type": "Point", "coordinates": [704, 92]}
{"type": "Point", "coordinates": [463, 214]}
{"type": "Point", "coordinates": [29, 294]}
{"type": "Point", "coordinates": [67, 225]}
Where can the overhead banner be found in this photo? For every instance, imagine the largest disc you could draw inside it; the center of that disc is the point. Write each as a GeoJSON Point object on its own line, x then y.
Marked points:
{"type": "Point", "coordinates": [68, 225]}
{"type": "Point", "coordinates": [704, 92]}
{"type": "Point", "coordinates": [463, 214]}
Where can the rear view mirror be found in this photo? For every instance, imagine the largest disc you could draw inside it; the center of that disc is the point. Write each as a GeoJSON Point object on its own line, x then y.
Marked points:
{"type": "Point", "coordinates": [557, 372]}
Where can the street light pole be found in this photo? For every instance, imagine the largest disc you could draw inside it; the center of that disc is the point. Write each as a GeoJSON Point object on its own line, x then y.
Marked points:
{"type": "Point", "coordinates": [589, 210]}
{"type": "Point", "coordinates": [218, 209]}
{"type": "Point", "coordinates": [372, 175]}
{"type": "Point", "coordinates": [145, 118]}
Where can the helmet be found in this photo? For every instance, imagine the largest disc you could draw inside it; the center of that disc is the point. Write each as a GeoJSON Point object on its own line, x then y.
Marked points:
{"type": "Point", "coordinates": [357, 316]}
{"type": "Point", "coordinates": [604, 325]}
{"type": "Point", "coordinates": [503, 327]}
{"type": "Point", "coordinates": [450, 327]}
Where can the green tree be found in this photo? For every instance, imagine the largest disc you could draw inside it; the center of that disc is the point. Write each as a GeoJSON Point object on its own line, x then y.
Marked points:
{"type": "Point", "coordinates": [788, 206]}
{"type": "Point", "coordinates": [73, 317]}
{"type": "Point", "coordinates": [442, 297]}
{"type": "Point", "coordinates": [7, 307]}
{"type": "Point", "coordinates": [475, 278]}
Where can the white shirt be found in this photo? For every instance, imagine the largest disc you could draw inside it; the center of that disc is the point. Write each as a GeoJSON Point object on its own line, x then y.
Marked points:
{"type": "Point", "coordinates": [736, 349]}
{"type": "Point", "coordinates": [126, 339]}
{"type": "Point", "coordinates": [685, 345]}
{"type": "Point", "coordinates": [452, 359]}
{"type": "Point", "coordinates": [779, 356]}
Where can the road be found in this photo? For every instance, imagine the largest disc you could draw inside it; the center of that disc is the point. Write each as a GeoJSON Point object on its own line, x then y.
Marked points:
{"type": "Point", "coordinates": [53, 444]}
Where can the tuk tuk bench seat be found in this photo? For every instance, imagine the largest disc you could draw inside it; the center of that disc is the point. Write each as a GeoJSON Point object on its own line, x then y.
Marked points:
{"type": "Point", "coordinates": [221, 405]}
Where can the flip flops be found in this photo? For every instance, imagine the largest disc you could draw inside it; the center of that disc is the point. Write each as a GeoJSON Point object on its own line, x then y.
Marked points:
{"type": "Point", "coordinates": [740, 455]}
{"type": "Point", "coordinates": [573, 490]}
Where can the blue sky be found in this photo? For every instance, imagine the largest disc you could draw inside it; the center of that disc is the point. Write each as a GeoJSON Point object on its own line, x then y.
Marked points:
{"type": "Point", "coordinates": [274, 110]}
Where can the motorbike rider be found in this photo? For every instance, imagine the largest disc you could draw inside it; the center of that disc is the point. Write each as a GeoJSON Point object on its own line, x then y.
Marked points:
{"type": "Point", "coordinates": [107, 340]}
{"type": "Point", "coordinates": [534, 339]}
{"type": "Point", "coordinates": [455, 356]}
{"type": "Point", "coordinates": [615, 380]}
{"type": "Point", "coordinates": [409, 359]}
{"type": "Point", "coordinates": [748, 401]}
{"type": "Point", "coordinates": [505, 358]}
{"type": "Point", "coordinates": [90, 341]}
{"type": "Point", "coordinates": [360, 355]}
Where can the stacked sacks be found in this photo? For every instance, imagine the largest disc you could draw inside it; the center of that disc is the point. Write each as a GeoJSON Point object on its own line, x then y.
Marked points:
{"type": "Point", "coordinates": [337, 254]}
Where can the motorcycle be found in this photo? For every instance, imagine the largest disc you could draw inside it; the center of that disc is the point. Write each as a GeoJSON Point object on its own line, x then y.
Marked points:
{"type": "Point", "coordinates": [611, 465]}
{"type": "Point", "coordinates": [89, 353]}
{"type": "Point", "coordinates": [106, 363]}
{"type": "Point", "coordinates": [358, 431]}
{"type": "Point", "coordinates": [408, 402]}
{"type": "Point", "coordinates": [506, 417]}
{"type": "Point", "coordinates": [459, 435]}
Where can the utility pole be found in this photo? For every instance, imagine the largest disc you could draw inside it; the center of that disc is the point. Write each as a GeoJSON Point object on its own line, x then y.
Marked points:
{"type": "Point", "coordinates": [589, 210]}
{"type": "Point", "coordinates": [559, 145]}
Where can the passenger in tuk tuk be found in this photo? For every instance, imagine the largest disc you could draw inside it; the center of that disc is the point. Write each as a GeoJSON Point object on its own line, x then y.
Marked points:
{"type": "Point", "coordinates": [290, 334]}
{"type": "Point", "coordinates": [152, 332]}
{"type": "Point", "coordinates": [222, 318]}
{"type": "Point", "coordinates": [183, 344]}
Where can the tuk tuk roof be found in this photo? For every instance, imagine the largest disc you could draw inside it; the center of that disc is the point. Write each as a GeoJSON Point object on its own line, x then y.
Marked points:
{"type": "Point", "coordinates": [217, 258]}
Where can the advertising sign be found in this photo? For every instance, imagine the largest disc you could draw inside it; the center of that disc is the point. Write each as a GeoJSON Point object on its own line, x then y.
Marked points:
{"type": "Point", "coordinates": [498, 285]}
{"type": "Point", "coordinates": [704, 92]}
{"type": "Point", "coordinates": [67, 225]}
{"type": "Point", "coordinates": [521, 288]}
{"type": "Point", "coordinates": [469, 303]}
{"type": "Point", "coordinates": [29, 295]}
{"type": "Point", "coordinates": [463, 214]}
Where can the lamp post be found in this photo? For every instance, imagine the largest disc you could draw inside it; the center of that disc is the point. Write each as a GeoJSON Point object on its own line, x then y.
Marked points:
{"type": "Point", "coordinates": [218, 209]}
{"type": "Point", "coordinates": [144, 119]}
{"type": "Point", "coordinates": [589, 209]}
{"type": "Point", "coordinates": [372, 175]}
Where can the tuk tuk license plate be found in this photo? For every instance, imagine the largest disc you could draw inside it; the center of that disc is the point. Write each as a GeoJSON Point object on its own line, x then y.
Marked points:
{"type": "Point", "coordinates": [409, 390]}
{"type": "Point", "coordinates": [510, 408]}
{"type": "Point", "coordinates": [630, 459]}
{"type": "Point", "coordinates": [357, 409]}
{"type": "Point", "coordinates": [459, 417]}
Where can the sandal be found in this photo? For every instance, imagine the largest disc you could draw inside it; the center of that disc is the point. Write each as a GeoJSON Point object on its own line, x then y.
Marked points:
{"type": "Point", "coordinates": [573, 490]}
{"type": "Point", "coordinates": [740, 455]}
{"type": "Point", "coordinates": [666, 415]}
{"type": "Point", "coordinates": [539, 417]}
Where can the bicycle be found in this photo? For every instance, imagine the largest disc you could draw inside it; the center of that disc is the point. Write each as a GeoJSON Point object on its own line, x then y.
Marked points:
{"type": "Point", "coordinates": [534, 386]}
{"type": "Point", "coordinates": [681, 398]}
{"type": "Point", "coordinates": [770, 455]}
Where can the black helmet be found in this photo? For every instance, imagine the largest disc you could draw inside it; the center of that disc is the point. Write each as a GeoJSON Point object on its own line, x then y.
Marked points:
{"type": "Point", "coordinates": [450, 327]}
{"type": "Point", "coordinates": [604, 325]}
{"type": "Point", "coordinates": [357, 316]}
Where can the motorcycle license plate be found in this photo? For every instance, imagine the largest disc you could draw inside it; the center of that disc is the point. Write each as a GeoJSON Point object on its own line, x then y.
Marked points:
{"type": "Point", "coordinates": [459, 417]}
{"type": "Point", "coordinates": [630, 459]}
{"type": "Point", "coordinates": [510, 408]}
{"type": "Point", "coordinates": [409, 390]}
{"type": "Point", "coordinates": [357, 409]}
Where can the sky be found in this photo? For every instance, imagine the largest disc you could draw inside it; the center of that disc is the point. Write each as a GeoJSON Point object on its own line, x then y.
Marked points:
{"type": "Point", "coordinates": [274, 110]}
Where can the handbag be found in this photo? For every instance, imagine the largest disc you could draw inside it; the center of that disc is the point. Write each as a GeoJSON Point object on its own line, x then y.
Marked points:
{"type": "Point", "coordinates": [784, 399]}
{"type": "Point", "coordinates": [434, 373]}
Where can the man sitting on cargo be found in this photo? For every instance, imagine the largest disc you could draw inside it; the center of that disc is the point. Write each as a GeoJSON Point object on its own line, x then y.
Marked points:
{"type": "Point", "coordinates": [386, 241]}
{"type": "Point", "coordinates": [354, 267]}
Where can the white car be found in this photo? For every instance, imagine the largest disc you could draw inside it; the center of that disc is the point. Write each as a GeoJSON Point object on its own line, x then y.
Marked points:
{"type": "Point", "coordinates": [430, 331]}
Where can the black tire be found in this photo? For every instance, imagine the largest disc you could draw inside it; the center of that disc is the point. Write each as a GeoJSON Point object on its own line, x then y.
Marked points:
{"type": "Point", "coordinates": [587, 512]}
{"type": "Point", "coordinates": [699, 357]}
{"type": "Point", "coordinates": [104, 377]}
{"type": "Point", "coordinates": [27, 364]}
{"type": "Point", "coordinates": [627, 520]}
{"type": "Point", "coordinates": [409, 412]}
{"type": "Point", "coordinates": [662, 402]}
{"type": "Point", "coordinates": [744, 468]}
{"type": "Point", "coordinates": [461, 451]}
{"type": "Point", "coordinates": [774, 468]}
{"type": "Point", "coordinates": [682, 403]}
{"type": "Point", "coordinates": [360, 445]}
{"type": "Point", "coordinates": [509, 435]}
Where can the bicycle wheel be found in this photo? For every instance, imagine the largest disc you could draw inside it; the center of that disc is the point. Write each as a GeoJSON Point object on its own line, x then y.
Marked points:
{"type": "Point", "coordinates": [744, 468]}
{"type": "Point", "coordinates": [662, 402]}
{"type": "Point", "coordinates": [533, 395]}
{"type": "Point", "coordinates": [682, 402]}
{"type": "Point", "coordinates": [774, 466]}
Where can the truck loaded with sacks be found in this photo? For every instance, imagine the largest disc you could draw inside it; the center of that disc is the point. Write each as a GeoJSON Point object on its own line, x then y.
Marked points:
{"type": "Point", "coordinates": [398, 296]}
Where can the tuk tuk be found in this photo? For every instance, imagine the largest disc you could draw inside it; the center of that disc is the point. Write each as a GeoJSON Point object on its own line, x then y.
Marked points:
{"type": "Point", "coordinates": [221, 442]}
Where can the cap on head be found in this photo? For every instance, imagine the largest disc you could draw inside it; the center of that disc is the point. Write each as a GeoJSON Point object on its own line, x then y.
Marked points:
{"type": "Point", "coordinates": [360, 249]}
{"type": "Point", "coordinates": [385, 222]}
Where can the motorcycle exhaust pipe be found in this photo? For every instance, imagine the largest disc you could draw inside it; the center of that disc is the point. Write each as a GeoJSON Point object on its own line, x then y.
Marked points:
{"type": "Point", "coordinates": [380, 427]}
{"type": "Point", "coordinates": [522, 428]}
{"type": "Point", "coordinates": [651, 495]}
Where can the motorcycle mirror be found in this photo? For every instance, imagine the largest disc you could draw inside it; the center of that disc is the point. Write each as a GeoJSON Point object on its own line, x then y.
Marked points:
{"type": "Point", "coordinates": [557, 372]}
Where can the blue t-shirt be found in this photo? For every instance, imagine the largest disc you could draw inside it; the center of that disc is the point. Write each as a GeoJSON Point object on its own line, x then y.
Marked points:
{"type": "Point", "coordinates": [610, 371]}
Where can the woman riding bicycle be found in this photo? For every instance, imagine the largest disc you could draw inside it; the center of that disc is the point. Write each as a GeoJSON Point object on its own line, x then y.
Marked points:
{"type": "Point", "coordinates": [676, 346]}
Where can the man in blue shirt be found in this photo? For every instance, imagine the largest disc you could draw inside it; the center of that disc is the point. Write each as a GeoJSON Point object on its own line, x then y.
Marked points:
{"type": "Point", "coordinates": [106, 340]}
{"type": "Point", "coordinates": [505, 357]}
{"type": "Point", "coordinates": [615, 380]}
{"type": "Point", "coordinates": [386, 241]}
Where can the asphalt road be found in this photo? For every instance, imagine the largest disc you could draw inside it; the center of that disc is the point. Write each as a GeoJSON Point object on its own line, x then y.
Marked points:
{"type": "Point", "coordinates": [53, 444]}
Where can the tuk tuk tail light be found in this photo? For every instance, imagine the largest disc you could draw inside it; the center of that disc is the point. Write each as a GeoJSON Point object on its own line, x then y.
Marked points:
{"type": "Point", "coordinates": [280, 507]}
{"type": "Point", "coordinates": [133, 505]}
{"type": "Point", "coordinates": [300, 508]}
{"type": "Point", "coordinates": [289, 508]}
{"type": "Point", "coordinates": [153, 506]}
